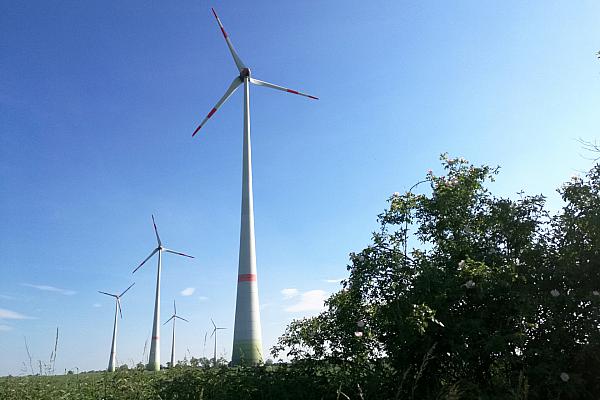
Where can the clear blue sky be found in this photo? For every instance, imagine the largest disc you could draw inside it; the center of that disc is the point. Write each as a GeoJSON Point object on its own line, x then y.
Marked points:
{"type": "Point", "coordinates": [98, 101]}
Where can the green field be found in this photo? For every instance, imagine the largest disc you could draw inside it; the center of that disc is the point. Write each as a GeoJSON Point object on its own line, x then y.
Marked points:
{"type": "Point", "coordinates": [303, 380]}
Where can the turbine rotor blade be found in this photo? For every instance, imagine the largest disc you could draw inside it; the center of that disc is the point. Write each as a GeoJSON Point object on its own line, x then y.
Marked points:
{"type": "Point", "coordinates": [108, 294]}
{"type": "Point", "coordinates": [147, 258]}
{"type": "Point", "coordinates": [130, 286]}
{"type": "Point", "coordinates": [183, 319]}
{"type": "Point", "coordinates": [234, 85]}
{"type": "Point", "coordinates": [169, 320]}
{"type": "Point", "coordinates": [119, 304]}
{"type": "Point", "coordinates": [178, 253]}
{"type": "Point", "coordinates": [213, 322]}
{"type": "Point", "coordinates": [156, 232]}
{"type": "Point", "coordinates": [213, 333]}
{"type": "Point", "coordinates": [238, 61]}
{"type": "Point", "coordinates": [174, 308]}
{"type": "Point", "coordinates": [270, 85]}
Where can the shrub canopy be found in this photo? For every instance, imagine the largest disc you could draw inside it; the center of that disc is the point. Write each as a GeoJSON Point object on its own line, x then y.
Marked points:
{"type": "Point", "coordinates": [468, 293]}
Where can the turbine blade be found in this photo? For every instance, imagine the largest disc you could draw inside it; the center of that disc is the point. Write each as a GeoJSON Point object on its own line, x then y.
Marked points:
{"type": "Point", "coordinates": [108, 294]}
{"type": "Point", "coordinates": [169, 320]}
{"type": "Point", "coordinates": [234, 85]}
{"type": "Point", "coordinates": [156, 231]}
{"type": "Point", "coordinates": [183, 319]}
{"type": "Point", "coordinates": [130, 286]}
{"type": "Point", "coordinates": [270, 85]}
{"type": "Point", "coordinates": [238, 61]}
{"type": "Point", "coordinates": [147, 258]}
{"type": "Point", "coordinates": [174, 308]}
{"type": "Point", "coordinates": [119, 304]}
{"type": "Point", "coordinates": [221, 328]}
{"type": "Point", "coordinates": [178, 253]}
{"type": "Point", "coordinates": [213, 333]}
{"type": "Point", "coordinates": [213, 322]}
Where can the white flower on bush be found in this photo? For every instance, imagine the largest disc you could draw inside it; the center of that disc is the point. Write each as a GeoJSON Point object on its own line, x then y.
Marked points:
{"type": "Point", "coordinates": [361, 258]}
{"type": "Point", "coordinates": [462, 264]}
{"type": "Point", "coordinates": [555, 293]}
{"type": "Point", "coordinates": [564, 377]}
{"type": "Point", "coordinates": [469, 284]}
{"type": "Point", "coordinates": [396, 194]}
{"type": "Point", "coordinates": [596, 293]}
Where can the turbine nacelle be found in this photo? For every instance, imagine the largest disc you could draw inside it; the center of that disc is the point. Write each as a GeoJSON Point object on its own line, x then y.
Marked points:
{"type": "Point", "coordinates": [245, 73]}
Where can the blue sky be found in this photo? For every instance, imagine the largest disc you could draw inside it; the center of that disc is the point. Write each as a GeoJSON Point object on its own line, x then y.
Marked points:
{"type": "Point", "coordinates": [98, 101]}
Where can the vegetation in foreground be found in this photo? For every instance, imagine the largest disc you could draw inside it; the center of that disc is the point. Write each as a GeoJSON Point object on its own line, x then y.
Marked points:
{"type": "Point", "coordinates": [302, 380]}
{"type": "Point", "coordinates": [500, 297]}
{"type": "Point", "coordinates": [461, 295]}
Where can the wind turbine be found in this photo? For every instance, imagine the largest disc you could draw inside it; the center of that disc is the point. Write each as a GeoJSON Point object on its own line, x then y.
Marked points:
{"type": "Point", "coordinates": [113, 347]}
{"type": "Point", "coordinates": [214, 333]}
{"type": "Point", "coordinates": [247, 336]}
{"type": "Point", "coordinates": [174, 317]}
{"type": "Point", "coordinates": [154, 359]}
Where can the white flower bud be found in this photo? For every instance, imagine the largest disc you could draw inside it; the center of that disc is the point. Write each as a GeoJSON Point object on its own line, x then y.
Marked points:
{"type": "Point", "coordinates": [596, 293]}
{"type": "Point", "coordinates": [469, 284]}
{"type": "Point", "coordinates": [564, 377]}
{"type": "Point", "coordinates": [555, 293]}
{"type": "Point", "coordinates": [462, 264]}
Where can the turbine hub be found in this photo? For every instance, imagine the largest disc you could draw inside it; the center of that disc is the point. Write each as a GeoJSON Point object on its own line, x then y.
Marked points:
{"type": "Point", "coordinates": [245, 73]}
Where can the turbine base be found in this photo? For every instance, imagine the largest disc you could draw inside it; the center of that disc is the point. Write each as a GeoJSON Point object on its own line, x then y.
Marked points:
{"type": "Point", "coordinates": [247, 353]}
{"type": "Point", "coordinates": [153, 366]}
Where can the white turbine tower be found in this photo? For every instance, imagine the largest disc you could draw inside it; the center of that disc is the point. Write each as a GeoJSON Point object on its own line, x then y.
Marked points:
{"type": "Point", "coordinates": [214, 333]}
{"type": "Point", "coordinates": [154, 359]}
{"type": "Point", "coordinates": [113, 347]}
{"type": "Point", "coordinates": [247, 336]}
{"type": "Point", "coordinates": [174, 317]}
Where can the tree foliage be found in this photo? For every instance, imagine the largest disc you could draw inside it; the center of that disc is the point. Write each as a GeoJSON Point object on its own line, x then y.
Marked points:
{"type": "Point", "coordinates": [496, 299]}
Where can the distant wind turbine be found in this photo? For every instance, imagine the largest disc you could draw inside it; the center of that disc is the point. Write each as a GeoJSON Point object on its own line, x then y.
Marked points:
{"type": "Point", "coordinates": [154, 359]}
{"type": "Point", "coordinates": [174, 317]}
{"type": "Point", "coordinates": [113, 348]}
{"type": "Point", "coordinates": [214, 333]}
{"type": "Point", "coordinates": [247, 336]}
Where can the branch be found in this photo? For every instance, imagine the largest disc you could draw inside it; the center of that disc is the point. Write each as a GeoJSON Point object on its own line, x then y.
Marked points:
{"type": "Point", "coordinates": [593, 147]}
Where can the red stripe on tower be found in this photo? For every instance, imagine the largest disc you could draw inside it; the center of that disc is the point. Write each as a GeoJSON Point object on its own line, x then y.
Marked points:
{"type": "Point", "coordinates": [155, 337]}
{"type": "Point", "coordinates": [246, 277]}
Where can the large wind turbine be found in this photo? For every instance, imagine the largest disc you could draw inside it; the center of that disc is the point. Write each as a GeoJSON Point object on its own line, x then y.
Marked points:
{"type": "Point", "coordinates": [174, 317]}
{"type": "Point", "coordinates": [247, 336]}
{"type": "Point", "coordinates": [154, 360]}
{"type": "Point", "coordinates": [113, 347]}
{"type": "Point", "coordinates": [214, 333]}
